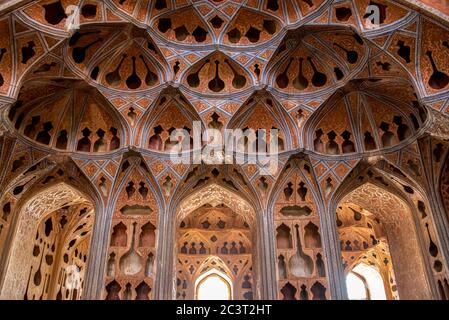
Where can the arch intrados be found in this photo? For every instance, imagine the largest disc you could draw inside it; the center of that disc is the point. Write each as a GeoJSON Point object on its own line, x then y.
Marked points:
{"type": "Point", "coordinates": [362, 196]}
{"type": "Point", "coordinates": [215, 195]}
{"type": "Point", "coordinates": [30, 214]}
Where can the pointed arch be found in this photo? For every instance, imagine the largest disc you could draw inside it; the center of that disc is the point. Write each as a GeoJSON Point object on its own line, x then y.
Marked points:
{"type": "Point", "coordinates": [371, 283]}
{"type": "Point", "coordinates": [228, 177]}
{"type": "Point", "coordinates": [233, 237]}
{"type": "Point", "coordinates": [258, 28]}
{"type": "Point", "coordinates": [364, 116]}
{"type": "Point", "coordinates": [214, 262]}
{"type": "Point", "coordinates": [363, 240]}
{"type": "Point", "coordinates": [31, 213]}
{"type": "Point", "coordinates": [71, 115]}
{"type": "Point", "coordinates": [295, 213]}
{"type": "Point", "coordinates": [307, 61]}
{"type": "Point", "coordinates": [134, 167]}
{"type": "Point", "coordinates": [35, 178]}
{"type": "Point", "coordinates": [301, 165]}
{"type": "Point", "coordinates": [222, 277]}
{"type": "Point", "coordinates": [123, 57]}
{"type": "Point", "coordinates": [404, 238]}
{"type": "Point", "coordinates": [158, 121]}
{"type": "Point", "coordinates": [263, 111]}
{"type": "Point", "coordinates": [191, 31]}
{"type": "Point", "coordinates": [215, 194]}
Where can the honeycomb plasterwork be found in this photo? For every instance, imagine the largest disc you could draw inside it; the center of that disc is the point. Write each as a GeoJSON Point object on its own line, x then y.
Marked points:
{"type": "Point", "coordinates": [214, 195]}
{"type": "Point", "coordinates": [48, 201]}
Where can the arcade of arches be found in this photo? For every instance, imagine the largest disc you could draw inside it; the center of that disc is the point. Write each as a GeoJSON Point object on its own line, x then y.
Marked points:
{"type": "Point", "coordinates": [93, 207]}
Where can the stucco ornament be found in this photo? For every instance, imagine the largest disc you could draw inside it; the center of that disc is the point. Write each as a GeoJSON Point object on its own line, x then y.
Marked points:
{"type": "Point", "coordinates": [215, 195]}
{"type": "Point", "coordinates": [32, 213]}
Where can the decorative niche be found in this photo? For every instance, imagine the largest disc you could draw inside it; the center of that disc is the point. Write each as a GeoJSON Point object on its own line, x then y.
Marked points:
{"type": "Point", "coordinates": [301, 272]}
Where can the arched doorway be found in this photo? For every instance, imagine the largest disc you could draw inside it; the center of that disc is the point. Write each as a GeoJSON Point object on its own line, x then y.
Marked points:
{"type": "Point", "coordinates": [363, 242]}
{"type": "Point", "coordinates": [213, 285]}
{"type": "Point", "coordinates": [49, 254]}
{"type": "Point", "coordinates": [365, 282]}
{"type": "Point", "coordinates": [215, 239]}
{"type": "Point", "coordinates": [377, 229]}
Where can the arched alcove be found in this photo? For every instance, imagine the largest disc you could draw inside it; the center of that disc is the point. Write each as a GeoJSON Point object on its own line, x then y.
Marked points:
{"type": "Point", "coordinates": [340, 88]}
{"type": "Point", "coordinates": [366, 115]}
{"type": "Point", "coordinates": [213, 285]}
{"type": "Point", "coordinates": [158, 123]}
{"type": "Point", "coordinates": [54, 224]}
{"type": "Point", "coordinates": [215, 230]}
{"type": "Point", "coordinates": [261, 111]}
{"type": "Point", "coordinates": [379, 224]}
{"type": "Point", "coordinates": [363, 242]}
{"type": "Point", "coordinates": [44, 113]}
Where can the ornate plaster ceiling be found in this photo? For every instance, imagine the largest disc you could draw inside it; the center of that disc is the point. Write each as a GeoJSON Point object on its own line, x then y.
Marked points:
{"type": "Point", "coordinates": [295, 65]}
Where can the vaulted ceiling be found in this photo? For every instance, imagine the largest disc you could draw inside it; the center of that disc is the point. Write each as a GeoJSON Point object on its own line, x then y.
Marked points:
{"type": "Point", "coordinates": [320, 71]}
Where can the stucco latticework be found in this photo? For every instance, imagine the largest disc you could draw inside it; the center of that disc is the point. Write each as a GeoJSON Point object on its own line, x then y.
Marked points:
{"type": "Point", "coordinates": [391, 209]}
{"type": "Point", "coordinates": [400, 230]}
{"type": "Point", "coordinates": [216, 195]}
{"type": "Point", "coordinates": [32, 213]}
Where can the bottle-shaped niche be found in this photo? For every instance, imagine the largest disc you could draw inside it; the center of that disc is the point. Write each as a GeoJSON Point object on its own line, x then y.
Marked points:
{"type": "Point", "coordinates": [433, 249]}
{"type": "Point", "coordinates": [216, 84]}
{"type": "Point", "coordinates": [320, 266]}
{"type": "Point", "coordinates": [301, 265]}
{"type": "Point", "coordinates": [303, 295]}
{"type": "Point", "coordinates": [111, 265]}
{"type": "Point", "coordinates": [282, 268]}
{"type": "Point", "coordinates": [131, 262]}
{"type": "Point", "coordinates": [127, 295]}
{"type": "Point", "coordinates": [149, 265]}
